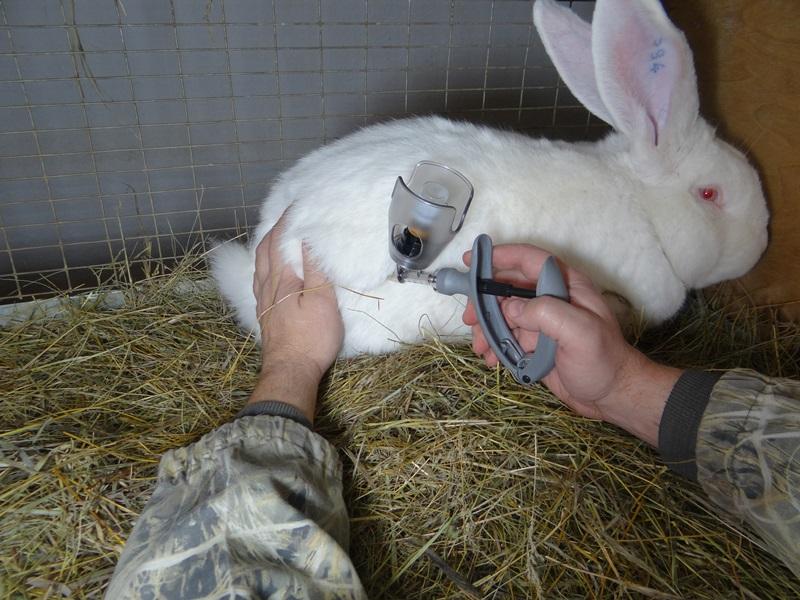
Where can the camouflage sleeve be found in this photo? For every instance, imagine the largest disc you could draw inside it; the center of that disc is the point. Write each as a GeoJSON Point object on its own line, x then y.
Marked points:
{"type": "Point", "coordinates": [254, 509]}
{"type": "Point", "coordinates": [748, 456]}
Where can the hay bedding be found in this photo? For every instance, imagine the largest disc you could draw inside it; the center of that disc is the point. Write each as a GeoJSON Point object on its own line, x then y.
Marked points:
{"type": "Point", "coordinates": [460, 484]}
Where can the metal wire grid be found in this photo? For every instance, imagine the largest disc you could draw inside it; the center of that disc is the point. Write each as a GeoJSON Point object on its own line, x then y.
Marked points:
{"type": "Point", "coordinates": [132, 130]}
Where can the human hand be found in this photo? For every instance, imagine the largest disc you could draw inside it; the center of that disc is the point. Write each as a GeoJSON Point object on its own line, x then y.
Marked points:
{"type": "Point", "coordinates": [597, 373]}
{"type": "Point", "coordinates": [301, 328]}
{"type": "Point", "coordinates": [299, 318]}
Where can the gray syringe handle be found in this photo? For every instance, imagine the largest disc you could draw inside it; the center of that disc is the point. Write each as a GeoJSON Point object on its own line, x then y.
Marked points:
{"type": "Point", "coordinates": [452, 281]}
{"type": "Point", "coordinates": [526, 368]}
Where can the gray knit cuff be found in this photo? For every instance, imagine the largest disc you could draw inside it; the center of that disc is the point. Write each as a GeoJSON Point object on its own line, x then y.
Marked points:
{"type": "Point", "coordinates": [677, 433]}
{"type": "Point", "coordinates": [274, 408]}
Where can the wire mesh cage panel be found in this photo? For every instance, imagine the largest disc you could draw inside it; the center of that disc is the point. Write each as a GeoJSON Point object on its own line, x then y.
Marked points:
{"type": "Point", "coordinates": [131, 130]}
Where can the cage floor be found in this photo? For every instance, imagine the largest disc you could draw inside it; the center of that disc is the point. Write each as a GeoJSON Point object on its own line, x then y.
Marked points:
{"type": "Point", "coordinates": [459, 483]}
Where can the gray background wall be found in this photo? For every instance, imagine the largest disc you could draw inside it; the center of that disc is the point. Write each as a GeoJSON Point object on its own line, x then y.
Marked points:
{"type": "Point", "coordinates": [131, 129]}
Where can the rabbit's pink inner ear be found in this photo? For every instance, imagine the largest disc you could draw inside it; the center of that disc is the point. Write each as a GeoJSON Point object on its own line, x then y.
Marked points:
{"type": "Point", "coordinates": [568, 41]}
{"type": "Point", "coordinates": [644, 69]}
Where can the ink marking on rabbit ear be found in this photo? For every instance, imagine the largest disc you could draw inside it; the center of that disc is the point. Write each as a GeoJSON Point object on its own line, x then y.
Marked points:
{"type": "Point", "coordinates": [644, 71]}
{"type": "Point", "coordinates": [657, 62]}
{"type": "Point", "coordinates": [657, 55]}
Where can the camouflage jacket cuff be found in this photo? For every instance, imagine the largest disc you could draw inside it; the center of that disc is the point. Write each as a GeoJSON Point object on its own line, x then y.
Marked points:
{"type": "Point", "coordinates": [274, 408]}
{"type": "Point", "coordinates": [677, 434]}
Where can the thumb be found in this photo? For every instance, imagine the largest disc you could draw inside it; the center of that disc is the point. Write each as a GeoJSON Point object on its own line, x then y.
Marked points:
{"type": "Point", "coordinates": [513, 307]}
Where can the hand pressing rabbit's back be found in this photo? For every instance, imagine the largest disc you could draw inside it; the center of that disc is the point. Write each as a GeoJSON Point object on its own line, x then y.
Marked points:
{"type": "Point", "coordinates": [658, 207]}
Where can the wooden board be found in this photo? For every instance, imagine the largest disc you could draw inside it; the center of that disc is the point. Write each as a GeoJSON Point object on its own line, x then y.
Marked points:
{"type": "Point", "coordinates": [747, 55]}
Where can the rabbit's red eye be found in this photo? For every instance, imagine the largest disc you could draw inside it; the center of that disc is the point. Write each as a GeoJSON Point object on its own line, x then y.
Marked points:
{"type": "Point", "coordinates": [708, 193]}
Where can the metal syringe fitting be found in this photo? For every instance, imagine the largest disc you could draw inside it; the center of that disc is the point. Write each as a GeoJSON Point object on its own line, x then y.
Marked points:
{"type": "Point", "coordinates": [415, 276]}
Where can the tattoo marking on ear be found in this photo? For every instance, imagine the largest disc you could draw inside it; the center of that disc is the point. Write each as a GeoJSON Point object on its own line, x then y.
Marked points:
{"type": "Point", "coordinates": [657, 55]}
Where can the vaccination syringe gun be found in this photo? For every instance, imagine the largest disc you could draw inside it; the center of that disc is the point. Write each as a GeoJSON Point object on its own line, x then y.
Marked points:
{"type": "Point", "coordinates": [424, 216]}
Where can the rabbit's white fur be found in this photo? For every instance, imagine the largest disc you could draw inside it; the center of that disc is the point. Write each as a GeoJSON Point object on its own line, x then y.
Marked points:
{"type": "Point", "coordinates": [627, 210]}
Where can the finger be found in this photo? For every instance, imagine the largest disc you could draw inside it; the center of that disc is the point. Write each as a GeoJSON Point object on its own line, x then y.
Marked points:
{"type": "Point", "coordinates": [283, 279]}
{"type": "Point", "coordinates": [586, 295]}
{"type": "Point", "coordinates": [280, 285]}
{"type": "Point", "coordinates": [575, 279]}
{"type": "Point", "coordinates": [520, 264]}
{"type": "Point", "coordinates": [479, 344]}
{"type": "Point", "coordinates": [524, 258]}
{"type": "Point", "coordinates": [262, 258]}
{"type": "Point", "coordinates": [287, 283]}
{"type": "Point", "coordinates": [526, 339]}
{"type": "Point", "coordinates": [520, 257]}
{"type": "Point", "coordinates": [261, 275]}
{"type": "Point", "coordinates": [313, 277]}
{"type": "Point", "coordinates": [582, 290]}
{"type": "Point", "coordinates": [275, 235]}
{"type": "Point", "coordinates": [469, 317]}
{"type": "Point", "coordinates": [481, 347]}
{"type": "Point", "coordinates": [555, 318]}
{"type": "Point", "coordinates": [529, 261]}
{"type": "Point", "coordinates": [267, 244]}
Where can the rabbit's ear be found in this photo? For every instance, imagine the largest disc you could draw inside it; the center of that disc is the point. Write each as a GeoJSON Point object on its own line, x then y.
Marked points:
{"type": "Point", "coordinates": [568, 41]}
{"type": "Point", "coordinates": [644, 69]}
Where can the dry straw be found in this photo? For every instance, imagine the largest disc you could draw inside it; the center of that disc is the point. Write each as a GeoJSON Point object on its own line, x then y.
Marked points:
{"type": "Point", "coordinates": [460, 484]}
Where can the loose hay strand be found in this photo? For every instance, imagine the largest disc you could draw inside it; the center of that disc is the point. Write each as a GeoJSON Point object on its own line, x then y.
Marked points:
{"type": "Point", "coordinates": [459, 483]}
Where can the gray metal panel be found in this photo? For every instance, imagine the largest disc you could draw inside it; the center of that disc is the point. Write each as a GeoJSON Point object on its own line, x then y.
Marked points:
{"type": "Point", "coordinates": [146, 129]}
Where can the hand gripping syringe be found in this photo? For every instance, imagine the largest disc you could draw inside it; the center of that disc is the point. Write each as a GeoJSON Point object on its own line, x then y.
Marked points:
{"type": "Point", "coordinates": [424, 216]}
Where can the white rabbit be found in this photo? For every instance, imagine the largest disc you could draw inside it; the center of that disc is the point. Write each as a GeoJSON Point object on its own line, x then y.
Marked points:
{"type": "Point", "coordinates": [656, 208]}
